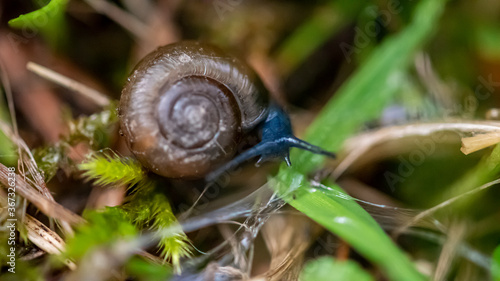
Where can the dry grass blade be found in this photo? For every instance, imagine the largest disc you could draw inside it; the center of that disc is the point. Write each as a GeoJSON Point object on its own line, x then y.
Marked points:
{"type": "Point", "coordinates": [287, 237]}
{"type": "Point", "coordinates": [475, 143]}
{"type": "Point", "coordinates": [448, 253]}
{"type": "Point", "coordinates": [95, 96]}
{"type": "Point", "coordinates": [356, 147]}
{"type": "Point", "coordinates": [241, 258]}
{"type": "Point", "coordinates": [47, 206]}
{"type": "Point", "coordinates": [432, 210]}
{"type": "Point", "coordinates": [45, 238]}
{"type": "Point", "coordinates": [440, 90]}
{"type": "Point", "coordinates": [27, 159]}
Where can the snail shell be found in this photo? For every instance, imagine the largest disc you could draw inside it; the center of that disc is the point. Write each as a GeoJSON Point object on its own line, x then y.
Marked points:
{"type": "Point", "coordinates": [186, 106]}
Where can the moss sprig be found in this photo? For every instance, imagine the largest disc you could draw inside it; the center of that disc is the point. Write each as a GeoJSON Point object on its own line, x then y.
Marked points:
{"type": "Point", "coordinates": [151, 209]}
{"type": "Point", "coordinates": [107, 169]}
{"type": "Point", "coordinates": [145, 207]}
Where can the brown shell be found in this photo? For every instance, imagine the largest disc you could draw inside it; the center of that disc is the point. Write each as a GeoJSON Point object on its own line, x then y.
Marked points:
{"type": "Point", "coordinates": [172, 65]}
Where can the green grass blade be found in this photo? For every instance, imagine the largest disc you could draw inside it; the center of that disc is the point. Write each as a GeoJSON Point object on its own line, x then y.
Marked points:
{"type": "Point", "coordinates": [495, 265]}
{"type": "Point", "coordinates": [8, 153]}
{"type": "Point", "coordinates": [361, 99]}
{"type": "Point", "coordinates": [329, 269]}
{"type": "Point", "coordinates": [143, 270]}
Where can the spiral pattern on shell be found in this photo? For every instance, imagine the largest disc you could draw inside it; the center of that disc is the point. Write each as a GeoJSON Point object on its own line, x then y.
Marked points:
{"type": "Point", "coordinates": [186, 106]}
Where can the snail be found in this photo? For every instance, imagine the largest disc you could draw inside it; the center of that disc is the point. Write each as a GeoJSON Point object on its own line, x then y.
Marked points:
{"type": "Point", "coordinates": [187, 106]}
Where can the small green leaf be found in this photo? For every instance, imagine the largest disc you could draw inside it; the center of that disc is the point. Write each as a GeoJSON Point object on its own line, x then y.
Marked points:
{"type": "Point", "coordinates": [48, 20]}
{"type": "Point", "coordinates": [329, 269]}
{"type": "Point", "coordinates": [487, 35]}
{"type": "Point", "coordinates": [103, 227]}
{"type": "Point", "coordinates": [95, 128]}
{"type": "Point", "coordinates": [8, 153]}
{"type": "Point", "coordinates": [495, 264]}
{"type": "Point", "coordinates": [147, 271]}
{"type": "Point", "coordinates": [48, 160]}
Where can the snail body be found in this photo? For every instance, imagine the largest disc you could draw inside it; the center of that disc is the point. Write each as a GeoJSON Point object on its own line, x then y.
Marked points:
{"type": "Point", "coordinates": [186, 107]}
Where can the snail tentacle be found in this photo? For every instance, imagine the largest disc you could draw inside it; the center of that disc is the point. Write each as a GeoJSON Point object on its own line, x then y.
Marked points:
{"type": "Point", "coordinates": [298, 143]}
{"type": "Point", "coordinates": [277, 139]}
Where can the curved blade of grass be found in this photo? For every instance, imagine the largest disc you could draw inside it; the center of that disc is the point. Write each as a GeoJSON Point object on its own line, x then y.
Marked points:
{"type": "Point", "coordinates": [361, 99]}
{"type": "Point", "coordinates": [321, 270]}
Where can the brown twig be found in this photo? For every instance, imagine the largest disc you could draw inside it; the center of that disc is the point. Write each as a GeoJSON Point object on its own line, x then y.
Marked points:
{"type": "Point", "coordinates": [27, 158]}
{"type": "Point", "coordinates": [126, 20]}
{"type": "Point", "coordinates": [97, 97]}
{"type": "Point", "coordinates": [357, 147]}
{"type": "Point", "coordinates": [441, 205]}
